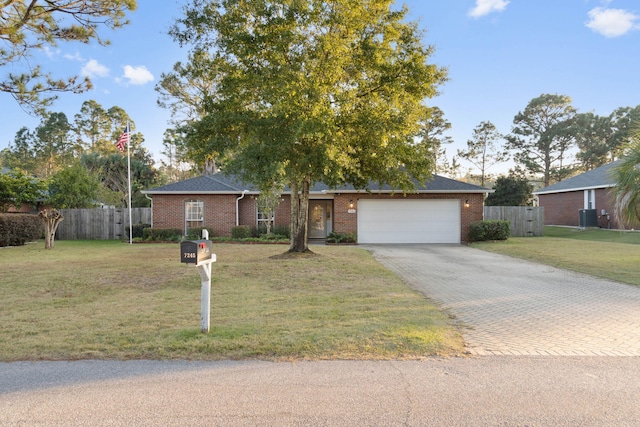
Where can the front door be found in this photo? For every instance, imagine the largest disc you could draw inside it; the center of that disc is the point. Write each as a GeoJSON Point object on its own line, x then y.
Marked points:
{"type": "Point", "coordinates": [320, 222]}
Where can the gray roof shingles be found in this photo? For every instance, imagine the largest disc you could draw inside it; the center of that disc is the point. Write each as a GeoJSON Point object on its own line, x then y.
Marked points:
{"type": "Point", "coordinates": [221, 183]}
{"type": "Point", "coordinates": [595, 178]}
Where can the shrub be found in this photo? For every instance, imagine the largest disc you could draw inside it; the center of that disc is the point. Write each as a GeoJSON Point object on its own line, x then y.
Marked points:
{"type": "Point", "coordinates": [18, 229]}
{"type": "Point", "coordinates": [282, 230]}
{"type": "Point", "coordinates": [335, 237]}
{"type": "Point", "coordinates": [272, 237]}
{"type": "Point", "coordinates": [137, 230]}
{"type": "Point", "coordinates": [489, 230]}
{"type": "Point", "coordinates": [241, 232]}
{"type": "Point", "coordinates": [162, 234]}
{"type": "Point", "coordinates": [196, 233]}
{"type": "Point", "coordinates": [257, 231]}
{"type": "Point", "coordinates": [279, 230]}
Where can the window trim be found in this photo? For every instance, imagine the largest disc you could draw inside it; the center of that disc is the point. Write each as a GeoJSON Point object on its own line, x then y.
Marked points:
{"type": "Point", "coordinates": [189, 211]}
{"type": "Point", "coordinates": [260, 216]}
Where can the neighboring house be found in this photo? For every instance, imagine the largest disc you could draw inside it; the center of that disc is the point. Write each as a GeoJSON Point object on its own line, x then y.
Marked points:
{"type": "Point", "coordinates": [439, 212]}
{"type": "Point", "coordinates": [584, 200]}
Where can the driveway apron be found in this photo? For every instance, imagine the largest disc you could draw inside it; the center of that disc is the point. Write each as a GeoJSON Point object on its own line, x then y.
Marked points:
{"type": "Point", "coordinates": [508, 306]}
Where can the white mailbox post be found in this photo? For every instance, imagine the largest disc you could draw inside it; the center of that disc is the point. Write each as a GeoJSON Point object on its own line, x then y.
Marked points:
{"type": "Point", "coordinates": [198, 253]}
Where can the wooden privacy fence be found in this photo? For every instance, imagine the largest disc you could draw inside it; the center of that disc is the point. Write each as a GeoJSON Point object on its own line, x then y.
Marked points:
{"type": "Point", "coordinates": [100, 224]}
{"type": "Point", "coordinates": [525, 220]}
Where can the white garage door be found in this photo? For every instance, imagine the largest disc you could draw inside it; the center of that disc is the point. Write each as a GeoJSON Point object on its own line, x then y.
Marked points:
{"type": "Point", "coordinates": [408, 221]}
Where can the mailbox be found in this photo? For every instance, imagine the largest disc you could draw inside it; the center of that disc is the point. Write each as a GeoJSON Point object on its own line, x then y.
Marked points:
{"type": "Point", "coordinates": [196, 251]}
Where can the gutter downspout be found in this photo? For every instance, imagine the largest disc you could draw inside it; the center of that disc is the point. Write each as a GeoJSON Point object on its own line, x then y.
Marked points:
{"type": "Point", "coordinates": [244, 192]}
{"type": "Point", "coordinates": [150, 198]}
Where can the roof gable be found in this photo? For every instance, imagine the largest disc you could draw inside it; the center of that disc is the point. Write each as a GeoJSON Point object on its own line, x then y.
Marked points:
{"type": "Point", "coordinates": [221, 183]}
{"type": "Point", "coordinates": [217, 183]}
{"type": "Point", "coordinates": [596, 178]}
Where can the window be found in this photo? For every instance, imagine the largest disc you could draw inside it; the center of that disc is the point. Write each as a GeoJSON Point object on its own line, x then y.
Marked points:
{"type": "Point", "coordinates": [193, 214]}
{"type": "Point", "coordinates": [589, 199]}
{"type": "Point", "coordinates": [266, 215]}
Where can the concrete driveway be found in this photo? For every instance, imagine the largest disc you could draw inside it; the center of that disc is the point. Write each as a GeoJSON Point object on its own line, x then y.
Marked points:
{"type": "Point", "coordinates": [513, 307]}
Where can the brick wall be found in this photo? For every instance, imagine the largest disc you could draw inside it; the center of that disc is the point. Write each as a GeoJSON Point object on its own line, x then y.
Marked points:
{"type": "Point", "coordinates": [247, 211]}
{"type": "Point", "coordinates": [220, 210]}
{"type": "Point", "coordinates": [563, 208]}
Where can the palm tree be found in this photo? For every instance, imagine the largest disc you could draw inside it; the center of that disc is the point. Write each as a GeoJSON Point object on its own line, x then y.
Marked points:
{"type": "Point", "coordinates": [627, 178]}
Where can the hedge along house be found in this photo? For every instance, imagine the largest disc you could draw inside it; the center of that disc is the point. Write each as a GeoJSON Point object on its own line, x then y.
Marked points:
{"type": "Point", "coordinates": [438, 212]}
{"type": "Point", "coordinates": [585, 200]}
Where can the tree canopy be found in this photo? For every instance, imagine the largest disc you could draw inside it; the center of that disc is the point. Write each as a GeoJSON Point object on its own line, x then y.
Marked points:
{"type": "Point", "coordinates": [312, 91]}
{"type": "Point", "coordinates": [542, 134]}
{"type": "Point", "coordinates": [17, 188]}
{"type": "Point", "coordinates": [482, 150]}
{"type": "Point", "coordinates": [57, 145]}
{"type": "Point", "coordinates": [510, 191]}
{"type": "Point", "coordinates": [72, 188]}
{"type": "Point", "coordinates": [603, 139]}
{"type": "Point", "coordinates": [30, 26]}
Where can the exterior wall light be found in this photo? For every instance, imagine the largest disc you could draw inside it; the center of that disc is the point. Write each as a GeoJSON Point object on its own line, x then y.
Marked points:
{"type": "Point", "coordinates": [466, 203]}
{"type": "Point", "coordinates": [350, 204]}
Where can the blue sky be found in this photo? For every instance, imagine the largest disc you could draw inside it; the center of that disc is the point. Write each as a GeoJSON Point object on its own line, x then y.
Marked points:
{"type": "Point", "coordinates": [500, 54]}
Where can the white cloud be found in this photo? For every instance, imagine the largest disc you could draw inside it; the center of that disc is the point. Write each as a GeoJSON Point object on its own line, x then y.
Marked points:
{"type": "Point", "coordinates": [50, 53]}
{"type": "Point", "coordinates": [612, 22]}
{"type": "Point", "coordinates": [94, 69]}
{"type": "Point", "coordinates": [75, 57]}
{"type": "Point", "coordinates": [137, 75]}
{"type": "Point", "coordinates": [485, 7]}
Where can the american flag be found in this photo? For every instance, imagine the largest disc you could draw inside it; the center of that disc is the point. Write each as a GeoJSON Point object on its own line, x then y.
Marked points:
{"type": "Point", "coordinates": [124, 139]}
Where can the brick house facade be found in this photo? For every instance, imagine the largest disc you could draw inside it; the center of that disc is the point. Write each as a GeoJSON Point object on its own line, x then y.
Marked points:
{"type": "Point", "coordinates": [227, 203]}
{"type": "Point", "coordinates": [591, 190]}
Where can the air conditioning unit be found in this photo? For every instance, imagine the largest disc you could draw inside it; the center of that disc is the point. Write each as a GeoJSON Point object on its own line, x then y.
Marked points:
{"type": "Point", "coordinates": [588, 218]}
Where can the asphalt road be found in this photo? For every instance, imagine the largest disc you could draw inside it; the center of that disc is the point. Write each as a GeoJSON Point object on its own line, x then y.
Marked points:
{"type": "Point", "coordinates": [476, 391]}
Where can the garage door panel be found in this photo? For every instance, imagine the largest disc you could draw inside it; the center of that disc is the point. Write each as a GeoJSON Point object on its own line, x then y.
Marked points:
{"type": "Point", "coordinates": [409, 221]}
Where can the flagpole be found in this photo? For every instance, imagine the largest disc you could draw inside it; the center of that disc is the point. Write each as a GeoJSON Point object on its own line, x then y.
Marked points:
{"type": "Point", "coordinates": [129, 182]}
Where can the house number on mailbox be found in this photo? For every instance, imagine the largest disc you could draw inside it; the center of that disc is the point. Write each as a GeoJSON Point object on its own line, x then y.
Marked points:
{"type": "Point", "coordinates": [199, 253]}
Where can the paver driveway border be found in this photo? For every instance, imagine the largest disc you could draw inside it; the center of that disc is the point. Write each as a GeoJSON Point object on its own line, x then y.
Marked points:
{"type": "Point", "coordinates": [508, 306]}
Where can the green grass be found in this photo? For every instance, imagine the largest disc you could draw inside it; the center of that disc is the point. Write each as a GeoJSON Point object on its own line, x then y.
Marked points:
{"type": "Point", "coordinates": [594, 234]}
{"type": "Point", "coordinates": [109, 300]}
{"type": "Point", "coordinates": [610, 254]}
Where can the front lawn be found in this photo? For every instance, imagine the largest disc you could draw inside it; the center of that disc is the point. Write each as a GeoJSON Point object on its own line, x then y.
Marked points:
{"type": "Point", "coordinates": [106, 299]}
{"type": "Point", "coordinates": [611, 254]}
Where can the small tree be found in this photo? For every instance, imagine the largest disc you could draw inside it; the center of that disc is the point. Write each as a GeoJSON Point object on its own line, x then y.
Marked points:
{"type": "Point", "coordinates": [73, 188]}
{"type": "Point", "coordinates": [482, 151]}
{"type": "Point", "coordinates": [50, 218]}
{"type": "Point", "coordinates": [268, 202]}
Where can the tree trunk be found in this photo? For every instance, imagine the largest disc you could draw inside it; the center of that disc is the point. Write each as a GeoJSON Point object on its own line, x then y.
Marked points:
{"type": "Point", "coordinates": [299, 215]}
{"type": "Point", "coordinates": [50, 219]}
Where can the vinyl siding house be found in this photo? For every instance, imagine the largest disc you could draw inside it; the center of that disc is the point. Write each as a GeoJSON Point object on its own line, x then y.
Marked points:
{"type": "Point", "coordinates": [438, 212]}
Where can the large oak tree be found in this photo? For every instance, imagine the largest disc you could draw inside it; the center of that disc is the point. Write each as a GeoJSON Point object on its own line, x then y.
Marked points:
{"type": "Point", "coordinates": [313, 91]}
